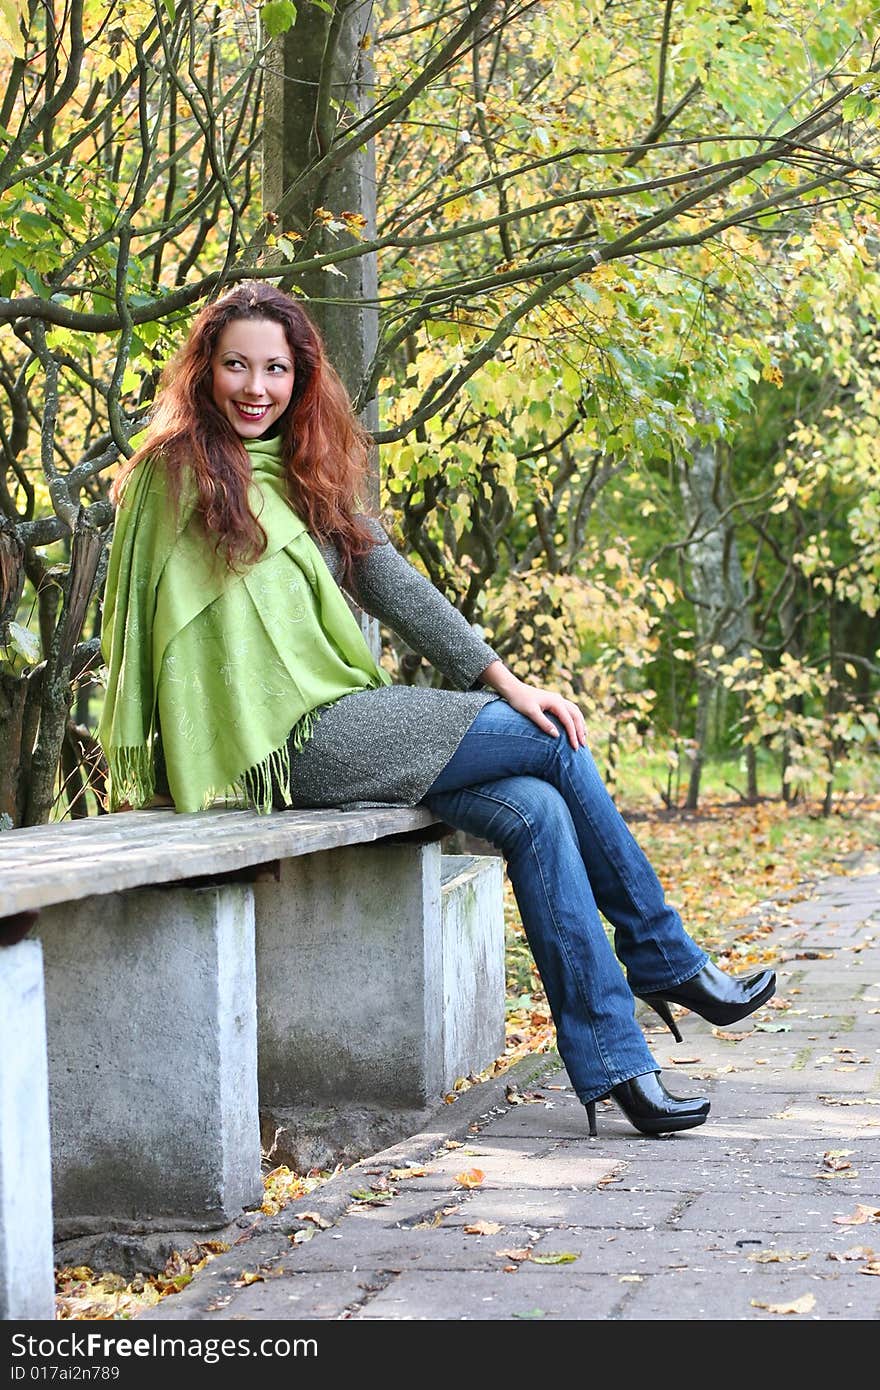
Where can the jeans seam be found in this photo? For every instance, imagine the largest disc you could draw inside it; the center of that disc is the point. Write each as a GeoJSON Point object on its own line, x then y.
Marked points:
{"type": "Point", "coordinates": [563, 942]}
{"type": "Point", "coordinates": [621, 870]}
{"type": "Point", "coordinates": [554, 751]}
{"type": "Point", "coordinates": [561, 935]}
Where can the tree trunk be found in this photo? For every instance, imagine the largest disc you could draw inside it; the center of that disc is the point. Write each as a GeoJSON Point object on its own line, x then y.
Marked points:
{"type": "Point", "coordinates": [705, 689]}
{"type": "Point", "coordinates": [13, 693]}
{"type": "Point", "coordinates": [326, 55]}
{"type": "Point", "coordinates": [55, 697]}
{"type": "Point", "coordinates": [752, 792]}
{"type": "Point", "coordinates": [721, 614]}
{"type": "Point", "coordinates": [322, 53]}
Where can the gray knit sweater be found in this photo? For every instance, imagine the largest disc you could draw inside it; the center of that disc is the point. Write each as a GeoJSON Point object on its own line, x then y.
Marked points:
{"type": "Point", "coordinates": [388, 745]}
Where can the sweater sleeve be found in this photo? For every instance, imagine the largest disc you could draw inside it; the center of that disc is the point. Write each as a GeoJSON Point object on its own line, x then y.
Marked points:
{"type": "Point", "coordinates": [389, 588]}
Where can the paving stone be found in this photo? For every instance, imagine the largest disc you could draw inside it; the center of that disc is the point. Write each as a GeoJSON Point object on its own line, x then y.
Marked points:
{"type": "Point", "coordinates": [765, 1213]}
{"type": "Point", "coordinates": [605, 1209]}
{"type": "Point", "coordinates": [547, 1294]}
{"type": "Point", "coordinates": [444, 1247]}
{"type": "Point", "coordinates": [674, 1228]}
{"type": "Point", "coordinates": [322, 1295]}
{"type": "Point", "coordinates": [517, 1168]}
{"type": "Point", "coordinates": [664, 1297]}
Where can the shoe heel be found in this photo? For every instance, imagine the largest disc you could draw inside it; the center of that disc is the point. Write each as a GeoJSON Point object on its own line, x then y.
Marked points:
{"type": "Point", "coordinates": [661, 1007]}
{"type": "Point", "coordinates": [590, 1107]}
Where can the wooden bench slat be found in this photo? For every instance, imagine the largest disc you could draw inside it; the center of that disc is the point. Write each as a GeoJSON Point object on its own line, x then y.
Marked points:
{"type": "Point", "coordinates": [49, 864]}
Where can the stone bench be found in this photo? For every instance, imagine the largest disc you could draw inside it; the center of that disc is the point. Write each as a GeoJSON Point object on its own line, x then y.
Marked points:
{"type": "Point", "coordinates": [327, 973]}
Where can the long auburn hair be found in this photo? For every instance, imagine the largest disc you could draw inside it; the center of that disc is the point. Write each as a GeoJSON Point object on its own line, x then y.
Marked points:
{"type": "Point", "coordinates": [324, 446]}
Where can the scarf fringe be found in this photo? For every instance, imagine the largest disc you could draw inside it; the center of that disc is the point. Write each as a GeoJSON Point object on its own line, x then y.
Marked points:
{"type": "Point", "coordinates": [133, 773]}
{"type": "Point", "coordinates": [132, 776]}
{"type": "Point", "coordinates": [257, 786]}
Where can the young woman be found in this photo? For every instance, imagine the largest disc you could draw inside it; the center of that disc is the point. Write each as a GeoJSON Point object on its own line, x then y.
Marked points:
{"type": "Point", "coordinates": [236, 666]}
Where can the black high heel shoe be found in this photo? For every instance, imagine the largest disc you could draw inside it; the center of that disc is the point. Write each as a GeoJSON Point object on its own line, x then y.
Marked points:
{"type": "Point", "coordinates": [650, 1108]}
{"type": "Point", "coordinates": [716, 996]}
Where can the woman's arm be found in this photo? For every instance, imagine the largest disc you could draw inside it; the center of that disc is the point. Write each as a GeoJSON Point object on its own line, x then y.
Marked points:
{"type": "Point", "coordinates": [389, 588]}
{"type": "Point", "coordinates": [536, 703]}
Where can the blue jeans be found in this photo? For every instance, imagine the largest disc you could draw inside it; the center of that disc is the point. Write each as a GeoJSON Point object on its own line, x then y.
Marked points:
{"type": "Point", "coordinates": [570, 856]}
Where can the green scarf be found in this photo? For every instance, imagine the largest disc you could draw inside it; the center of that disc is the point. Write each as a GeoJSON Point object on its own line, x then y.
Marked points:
{"type": "Point", "coordinates": [229, 664]}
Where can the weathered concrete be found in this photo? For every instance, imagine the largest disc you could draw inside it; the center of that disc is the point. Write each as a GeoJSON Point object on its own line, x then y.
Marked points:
{"type": "Point", "coordinates": [383, 981]}
{"type": "Point", "coordinates": [755, 1215]}
{"type": "Point", "coordinates": [349, 964]}
{"type": "Point", "coordinates": [473, 964]}
{"type": "Point", "coordinates": [43, 864]}
{"type": "Point", "coordinates": [150, 1004]}
{"type": "Point", "coordinates": [378, 985]}
{"type": "Point", "coordinates": [26, 1276]}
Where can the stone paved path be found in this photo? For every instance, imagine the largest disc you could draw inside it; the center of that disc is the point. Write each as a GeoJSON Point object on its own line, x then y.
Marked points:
{"type": "Point", "coordinates": [744, 1218]}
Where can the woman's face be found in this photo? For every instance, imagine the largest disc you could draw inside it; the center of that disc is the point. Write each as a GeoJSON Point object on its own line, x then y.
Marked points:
{"type": "Point", "coordinates": [252, 375]}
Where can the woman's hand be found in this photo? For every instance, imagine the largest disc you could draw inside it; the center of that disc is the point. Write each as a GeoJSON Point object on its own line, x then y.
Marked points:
{"type": "Point", "coordinates": [536, 704]}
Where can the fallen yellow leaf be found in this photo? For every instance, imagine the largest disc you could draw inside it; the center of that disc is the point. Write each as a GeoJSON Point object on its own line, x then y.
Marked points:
{"type": "Point", "coordinates": [429, 1225]}
{"type": "Point", "coordinates": [849, 1100]}
{"type": "Point", "coordinates": [836, 1159]}
{"type": "Point", "coordinates": [472, 1178]}
{"type": "Point", "coordinates": [861, 1215]}
{"type": "Point", "coordinates": [805, 1304]}
{"type": "Point", "coordinates": [316, 1217]}
{"type": "Point", "coordinates": [483, 1228]}
{"type": "Point", "coordinates": [769, 1257]}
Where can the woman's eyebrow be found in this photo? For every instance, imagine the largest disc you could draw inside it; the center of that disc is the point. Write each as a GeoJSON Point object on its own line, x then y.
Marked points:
{"type": "Point", "coordinates": [234, 352]}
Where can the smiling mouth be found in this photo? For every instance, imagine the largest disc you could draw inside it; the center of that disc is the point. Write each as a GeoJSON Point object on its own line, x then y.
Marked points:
{"type": "Point", "coordinates": [251, 412]}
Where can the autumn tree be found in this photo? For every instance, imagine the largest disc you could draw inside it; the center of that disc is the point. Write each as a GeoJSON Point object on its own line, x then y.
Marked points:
{"type": "Point", "coordinates": [558, 189]}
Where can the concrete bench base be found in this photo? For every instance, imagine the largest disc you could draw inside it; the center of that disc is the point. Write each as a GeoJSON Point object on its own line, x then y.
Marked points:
{"type": "Point", "coordinates": [381, 982]}
{"type": "Point", "coordinates": [473, 964]}
{"type": "Point", "coordinates": [366, 977]}
{"type": "Point", "coordinates": [151, 1021]}
{"type": "Point", "coordinates": [27, 1283]}
{"type": "Point", "coordinates": [372, 980]}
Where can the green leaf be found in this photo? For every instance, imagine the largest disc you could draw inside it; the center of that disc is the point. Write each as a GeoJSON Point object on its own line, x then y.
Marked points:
{"type": "Point", "coordinates": [25, 642]}
{"type": "Point", "coordinates": [531, 1313]}
{"type": "Point", "coordinates": [71, 207]}
{"type": "Point", "coordinates": [560, 1257]}
{"type": "Point", "coordinates": [277, 17]}
{"type": "Point", "coordinates": [855, 105]}
{"type": "Point", "coordinates": [33, 222]}
{"type": "Point", "coordinates": [36, 284]}
{"type": "Point", "coordinates": [11, 36]}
